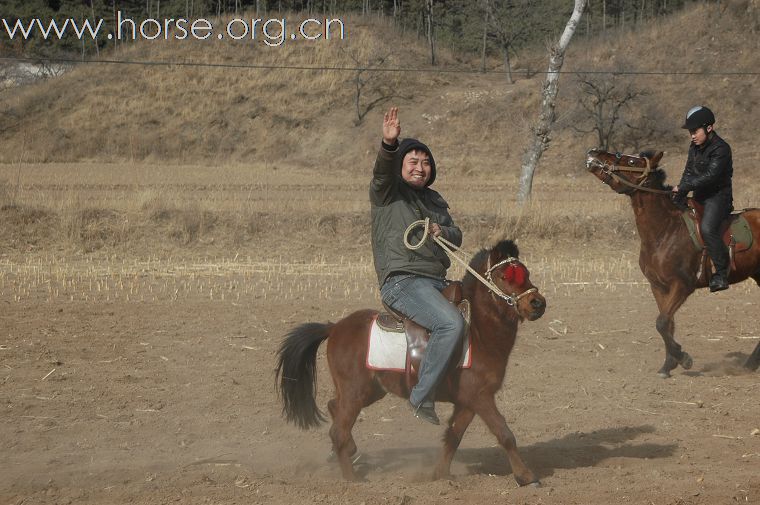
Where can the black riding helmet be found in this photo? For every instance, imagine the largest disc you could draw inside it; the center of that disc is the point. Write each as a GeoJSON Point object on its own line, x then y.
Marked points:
{"type": "Point", "coordinates": [698, 117]}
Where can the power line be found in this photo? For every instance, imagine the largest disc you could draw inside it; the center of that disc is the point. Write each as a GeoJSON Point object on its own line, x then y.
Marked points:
{"type": "Point", "coordinates": [250, 66]}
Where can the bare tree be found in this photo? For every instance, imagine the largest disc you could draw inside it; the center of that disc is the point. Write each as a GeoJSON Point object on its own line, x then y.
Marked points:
{"type": "Point", "coordinates": [367, 82]}
{"type": "Point", "coordinates": [486, 17]}
{"type": "Point", "coordinates": [9, 78]}
{"type": "Point", "coordinates": [542, 129]}
{"type": "Point", "coordinates": [507, 26]}
{"type": "Point", "coordinates": [430, 32]}
{"type": "Point", "coordinates": [603, 101]}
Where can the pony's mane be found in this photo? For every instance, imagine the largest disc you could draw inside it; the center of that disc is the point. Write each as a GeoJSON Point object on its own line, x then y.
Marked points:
{"type": "Point", "coordinates": [658, 174]}
{"type": "Point", "coordinates": [505, 248]}
{"type": "Point", "coordinates": [658, 180]}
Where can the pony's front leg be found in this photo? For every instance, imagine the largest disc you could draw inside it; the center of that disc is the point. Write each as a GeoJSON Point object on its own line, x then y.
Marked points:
{"type": "Point", "coordinates": [674, 355]}
{"type": "Point", "coordinates": [669, 301]}
{"type": "Point", "coordinates": [458, 423]}
{"type": "Point", "coordinates": [486, 409]}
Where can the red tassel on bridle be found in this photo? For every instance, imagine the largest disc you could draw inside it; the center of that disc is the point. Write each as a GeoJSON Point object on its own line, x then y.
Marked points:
{"type": "Point", "coordinates": [515, 275]}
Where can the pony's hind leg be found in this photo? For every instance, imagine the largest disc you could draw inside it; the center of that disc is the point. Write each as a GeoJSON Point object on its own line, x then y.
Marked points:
{"type": "Point", "coordinates": [344, 416]}
{"type": "Point", "coordinates": [753, 362]}
{"type": "Point", "coordinates": [344, 409]}
{"type": "Point", "coordinates": [458, 423]}
{"type": "Point", "coordinates": [351, 446]}
{"type": "Point", "coordinates": [486, 409]}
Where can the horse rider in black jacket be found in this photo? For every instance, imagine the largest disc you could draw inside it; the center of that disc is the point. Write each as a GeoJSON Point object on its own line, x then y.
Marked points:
{"type": "Point", "coordinates": [708, 174]}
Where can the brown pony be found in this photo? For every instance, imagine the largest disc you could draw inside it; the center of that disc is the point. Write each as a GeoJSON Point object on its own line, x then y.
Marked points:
{"type": "Point", "coordinates": [493, 330]}
{"type": "Point", "coordinates": [668, 258]}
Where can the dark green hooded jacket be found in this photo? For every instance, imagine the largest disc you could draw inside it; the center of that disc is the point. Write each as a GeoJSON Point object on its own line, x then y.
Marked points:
{"type": "Point", "coordinates": [395, 205]}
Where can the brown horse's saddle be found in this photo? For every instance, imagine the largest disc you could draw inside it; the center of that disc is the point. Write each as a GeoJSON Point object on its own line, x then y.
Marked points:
{"type": "Point", "coordinates": [735, 230]}
{"type": "Point", "coordinates": [417, 336]}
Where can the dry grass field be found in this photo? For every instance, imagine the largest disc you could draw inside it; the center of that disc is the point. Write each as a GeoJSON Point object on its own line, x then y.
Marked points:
{"type": "Point", "coordinates": [161, 229]}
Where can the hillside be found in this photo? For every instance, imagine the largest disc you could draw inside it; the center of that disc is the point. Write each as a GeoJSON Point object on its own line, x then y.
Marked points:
{"type": "Point", "coordinates": [274, 117]}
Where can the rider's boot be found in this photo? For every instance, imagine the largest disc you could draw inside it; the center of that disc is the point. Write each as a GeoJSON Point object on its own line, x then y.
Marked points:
{"type": "Point", "coordinates": [425, 411]}
{"type": "Point", "coordinates": [719, 281]}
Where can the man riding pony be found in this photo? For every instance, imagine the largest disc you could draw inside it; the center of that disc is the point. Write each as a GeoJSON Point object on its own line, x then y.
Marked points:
{"type": "Point", "coordinates": [411, 281]}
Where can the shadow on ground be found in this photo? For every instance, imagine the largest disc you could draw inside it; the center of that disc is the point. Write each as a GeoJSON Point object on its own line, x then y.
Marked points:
{"type": "Point", "coordinates": [574, 450]}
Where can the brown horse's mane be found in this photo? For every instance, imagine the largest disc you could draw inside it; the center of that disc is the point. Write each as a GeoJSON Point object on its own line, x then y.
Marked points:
{"type": "Point", "coordinates": [505, 248]}
{"type": "Point", "coordinates": [657, 179]}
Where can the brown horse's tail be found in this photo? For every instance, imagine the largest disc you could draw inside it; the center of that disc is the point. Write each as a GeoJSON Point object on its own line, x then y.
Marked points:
{"type": "Point", "coordinates": [296, 374]}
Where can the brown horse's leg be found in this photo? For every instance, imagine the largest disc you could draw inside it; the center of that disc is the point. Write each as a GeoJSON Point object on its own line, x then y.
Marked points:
{"type": "Point", "coordinates": [753, 362]}
{"type": "Point", "coordinates": [344, 416]}
{"type": "Point", "coordinates": [355, 395]}
{"type": "Point", "coordinates": [669, 301]}
{"type": "Point", "coordinates": [486, 409]}
{"type": "Point", "coordinates": [350, 445]}
{"type": "Point", "coordinates": [458, 423]}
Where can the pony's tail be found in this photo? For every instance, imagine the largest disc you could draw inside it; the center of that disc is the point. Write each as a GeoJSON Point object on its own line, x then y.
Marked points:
{"type": "Point", "coordinates": [296, 374]}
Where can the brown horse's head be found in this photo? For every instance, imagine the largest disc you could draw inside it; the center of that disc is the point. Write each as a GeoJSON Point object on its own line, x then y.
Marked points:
{"type": "Point", "coordinates": [624, 173]}
{"type": "Point", "coordinates": [504, 270]}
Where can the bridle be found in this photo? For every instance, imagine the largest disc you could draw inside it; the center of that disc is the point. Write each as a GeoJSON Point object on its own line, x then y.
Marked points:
{"type": "Point", "coordinates": [610, 169]}
{"type": "Point", "coordinates": [451, 249]}
{"type": "Point", "coordinates": [514, 297]}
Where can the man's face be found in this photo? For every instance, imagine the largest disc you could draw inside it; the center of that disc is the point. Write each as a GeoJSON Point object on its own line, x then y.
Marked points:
{"type": "Point", "coordinates": [699, 135]}
{"type": "Point", "coordinates": [415, 169]}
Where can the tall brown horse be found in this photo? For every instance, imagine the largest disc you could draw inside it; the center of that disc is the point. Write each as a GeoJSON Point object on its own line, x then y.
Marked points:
{"type": "Point", "coordinates": [493, 329]}
{"type": "Point", "coordinates": [668, 258]}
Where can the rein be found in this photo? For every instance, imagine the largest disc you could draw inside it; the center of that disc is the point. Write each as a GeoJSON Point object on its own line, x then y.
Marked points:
{"type": "Point", "coordinates": [610, 169]}
{"type": "Point", "coordinates": [450, 249]}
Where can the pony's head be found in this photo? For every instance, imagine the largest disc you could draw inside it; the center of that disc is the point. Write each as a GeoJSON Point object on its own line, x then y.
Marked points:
{"type": "Point", "coordinates": [502, 268]}
{"type": "Point", "coordinates": [624, 173]}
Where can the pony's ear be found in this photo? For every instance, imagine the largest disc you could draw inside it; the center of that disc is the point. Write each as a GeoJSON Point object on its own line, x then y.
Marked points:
{"type": "Point", "coordinates": [654, 156]}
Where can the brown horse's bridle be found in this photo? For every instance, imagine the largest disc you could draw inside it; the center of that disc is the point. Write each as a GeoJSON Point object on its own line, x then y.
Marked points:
{"type": "Point", "coordinates": [610, 169]}
{"type": "Point", "coordinates": [514, 297]}
{"type": "Point", "coordinates": [450, 249]}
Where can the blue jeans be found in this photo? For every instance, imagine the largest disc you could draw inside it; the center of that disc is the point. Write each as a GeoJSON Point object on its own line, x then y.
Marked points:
{"type": "Point", "coordinates": [420, 299]}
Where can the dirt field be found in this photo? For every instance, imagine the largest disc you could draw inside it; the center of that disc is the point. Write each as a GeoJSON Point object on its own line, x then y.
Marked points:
{"type": "Point", "coordinates": [130, 377]}
{"type": "Point", "coordinates": [173, 400]}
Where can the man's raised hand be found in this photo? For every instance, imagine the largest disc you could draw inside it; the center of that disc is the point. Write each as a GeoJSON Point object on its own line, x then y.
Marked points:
{"type": "Point", "coordinates": [391, 126]}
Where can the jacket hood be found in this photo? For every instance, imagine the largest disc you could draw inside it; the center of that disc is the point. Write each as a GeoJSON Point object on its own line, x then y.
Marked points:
{"type": "Point", "coordinates": [410, 144]}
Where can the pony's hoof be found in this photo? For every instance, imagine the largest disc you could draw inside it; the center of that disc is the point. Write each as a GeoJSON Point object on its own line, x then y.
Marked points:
{"type": "Point", "coordinates": [686, 361]}
{"type": "Point", "coordinates": [355, 479]}
{"type": "Point", "coordinates": [332, 457]}
{"type": "Point", "coordinates": [663, 375]}
{"type": "Point", "coordinates": [529, 482]}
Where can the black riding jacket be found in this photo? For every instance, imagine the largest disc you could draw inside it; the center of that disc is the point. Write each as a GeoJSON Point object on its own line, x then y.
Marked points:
{"type": "Point", "coordinates": [709, 169]}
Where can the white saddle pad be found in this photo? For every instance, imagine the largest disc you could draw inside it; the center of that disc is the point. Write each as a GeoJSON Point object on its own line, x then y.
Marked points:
{"type": "Point", "coordinates": [387, 350]}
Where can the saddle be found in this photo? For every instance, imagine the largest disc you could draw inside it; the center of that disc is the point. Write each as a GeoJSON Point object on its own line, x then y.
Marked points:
{"type": "Point", "coordinates": [734, 230]}
{"type": "Point", "coordinates": [417, 336]}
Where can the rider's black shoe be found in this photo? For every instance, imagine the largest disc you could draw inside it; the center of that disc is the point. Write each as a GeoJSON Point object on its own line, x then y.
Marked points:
{"type": "Point", "coordinates": [425, 411]}
{"type": "Point", "coordinates": [718, 282]}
